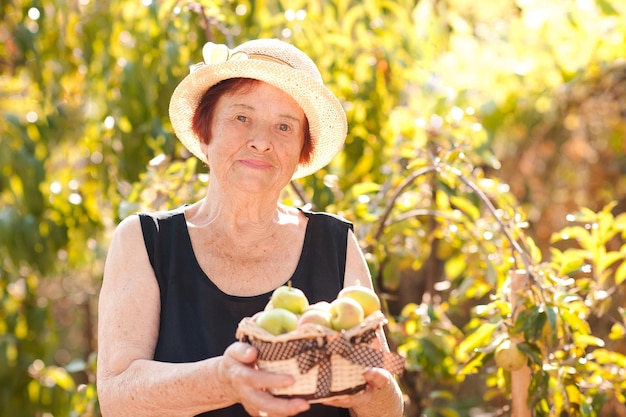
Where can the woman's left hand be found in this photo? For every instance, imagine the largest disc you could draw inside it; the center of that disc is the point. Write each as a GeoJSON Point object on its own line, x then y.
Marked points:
{"type": "Point", "coordinates": [379, 382]}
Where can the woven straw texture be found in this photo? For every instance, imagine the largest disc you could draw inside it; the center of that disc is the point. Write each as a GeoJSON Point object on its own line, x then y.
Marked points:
{"type": "Point", "coordinates": [283, 66]}
{"type": "Point", "coordinates": [325, 363]}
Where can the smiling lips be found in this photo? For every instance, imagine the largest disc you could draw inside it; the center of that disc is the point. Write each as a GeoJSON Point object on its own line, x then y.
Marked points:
{"type": "Point", "coordinates": [255, 163]}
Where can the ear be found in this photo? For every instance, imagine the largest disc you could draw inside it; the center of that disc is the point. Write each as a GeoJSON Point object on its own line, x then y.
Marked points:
{"type": "Point", "coordinates": [204, 147]}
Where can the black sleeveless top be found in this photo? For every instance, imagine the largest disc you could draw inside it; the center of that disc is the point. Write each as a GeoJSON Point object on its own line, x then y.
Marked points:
{"type": "Point", "coordinates": [198, 320]}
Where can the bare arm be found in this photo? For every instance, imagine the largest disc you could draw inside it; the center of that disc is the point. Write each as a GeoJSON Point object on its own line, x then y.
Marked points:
{"type": "Point", "coordinates": [382, 397]}
{"type": "Point", "coordinates": [131, 383]}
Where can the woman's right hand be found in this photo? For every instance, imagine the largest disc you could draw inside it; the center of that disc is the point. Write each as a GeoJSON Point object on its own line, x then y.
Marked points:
{"type": "Point", "coordinates": [248, 385]}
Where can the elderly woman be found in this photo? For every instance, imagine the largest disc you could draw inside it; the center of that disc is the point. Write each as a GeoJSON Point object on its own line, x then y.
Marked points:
{"type": "Point", "coordinates": [177, 283]}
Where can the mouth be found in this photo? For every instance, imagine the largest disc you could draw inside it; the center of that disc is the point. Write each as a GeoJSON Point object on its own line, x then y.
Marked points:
{"type": "Point", "coordinates": [255, 163]}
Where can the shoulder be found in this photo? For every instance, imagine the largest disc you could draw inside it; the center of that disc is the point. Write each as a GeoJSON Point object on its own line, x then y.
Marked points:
{"type": "Point", "coordinates": [162, 215]}
{"type": "Point", "coordinates": [133, 225]}
{"type": "Point", "coordinates": [141, 220]}
{"type": "Point", "coordinates": [128, 225]}
{"type": "Point", "coordinates": [329, 218]}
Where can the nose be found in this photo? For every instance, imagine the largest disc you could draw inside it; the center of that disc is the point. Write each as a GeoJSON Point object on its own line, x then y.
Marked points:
{"type": "Point", "coordinates": [260, 140]}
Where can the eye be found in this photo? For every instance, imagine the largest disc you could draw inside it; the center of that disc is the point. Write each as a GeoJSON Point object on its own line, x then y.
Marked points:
{"type": "Point", "coordinates": [242, 118]}
{"type": "Point", "coordinates": [284, 127]}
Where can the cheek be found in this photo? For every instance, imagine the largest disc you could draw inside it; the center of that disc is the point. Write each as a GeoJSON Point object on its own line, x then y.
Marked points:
{"type": "Point", "coordinates": [295, 146]}
{"type": "Point", "coordinates": [292, 152]}
{"type": "Point", "coordinates": [213, 146]}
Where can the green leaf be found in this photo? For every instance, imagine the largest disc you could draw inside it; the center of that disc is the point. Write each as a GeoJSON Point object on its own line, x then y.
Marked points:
{"type": "Point", "coordinates": [530, 322]}
{"type": "Point", "coordinates": [432, 351]}
{"type": "Point", "coordinates": [551, 313]}
{"type": "Point", "coordinates": [607, 8]}
{"type": "Point", "coordinates": [532, 351]}
{"type": "Point", "coordinates": [538, 389]}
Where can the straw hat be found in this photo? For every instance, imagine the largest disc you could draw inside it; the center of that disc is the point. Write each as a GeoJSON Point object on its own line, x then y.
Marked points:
{"type": "Point", "coordinates": [277, 63]}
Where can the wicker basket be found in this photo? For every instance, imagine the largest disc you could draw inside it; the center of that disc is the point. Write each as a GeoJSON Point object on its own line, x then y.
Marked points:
{"type": "Point", "coordinates": [325, 363]}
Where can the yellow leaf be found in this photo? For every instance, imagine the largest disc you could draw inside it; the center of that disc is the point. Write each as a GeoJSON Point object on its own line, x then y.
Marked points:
{"type": "Point", "coordinates": [410, 310]}
{"type": "Point", "coordinates": [448, 412]}
{"type": "Point", "coordinates": [571, 232]}
{"type": "Point", "coordinates": [620, 273]}
{"type": "Point", "coordinates": [570, 265]}
{"type": "Point", "coordinates": [618, 332]}
{"type": "Point", "coordinates": [442, 201]}
{"type": "Point", "coordinates": [574, 321]}
{"type": "Point", "coordinates": [365, 188]}
{"type": "Point", "coordinates": [535, 252]}
{"type": "Point", "coordinates": [466, 206]}
{"type": "Point", "coordinates": [606, 259]}
{"type": "Point", "coordinates": [585, 340]}
{"type": "Point", "coordinates": [455, 266]}
{"type": "Point", "coordinates": [479, 338]}
{"type": "Point", "coordinates": [21, 327]}
{"type": "Point", "coordinates": [34, 389]}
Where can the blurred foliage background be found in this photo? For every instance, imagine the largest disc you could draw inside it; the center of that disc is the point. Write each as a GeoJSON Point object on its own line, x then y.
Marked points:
{"type": "Point", "coordinates": [485, 137]}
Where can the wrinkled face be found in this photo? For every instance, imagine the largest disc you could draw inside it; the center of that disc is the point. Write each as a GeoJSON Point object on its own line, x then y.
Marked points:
{"type": "Point", "coordinates": [257, 135]}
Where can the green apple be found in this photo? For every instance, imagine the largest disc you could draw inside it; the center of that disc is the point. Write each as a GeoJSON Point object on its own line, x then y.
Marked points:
{"type": "Point", "coordinates": [277, 320]}
{"type": "Point", "coordinates": [345, 313]}
{"type": "Point", "coordinates": [363, 295]}
{"type": "Point", "coordinates": [315, 316]}
{"type": "Point", "coordinates": [509, 357]}
{"type": "Point", "coordinates": [289, 298]}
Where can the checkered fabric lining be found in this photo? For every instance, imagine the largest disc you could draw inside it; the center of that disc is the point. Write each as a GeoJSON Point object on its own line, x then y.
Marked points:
{"type": "Point", "coordinates": [310, 352]}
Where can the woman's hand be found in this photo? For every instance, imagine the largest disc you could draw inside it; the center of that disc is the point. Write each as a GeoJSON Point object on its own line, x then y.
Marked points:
{"type": "Point", "coordinates": [248, 385]}
{"type": "Point", "coordinates": [375, 398]}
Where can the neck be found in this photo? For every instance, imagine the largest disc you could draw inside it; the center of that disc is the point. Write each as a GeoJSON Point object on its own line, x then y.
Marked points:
{"type": "Point", "coordinates": [235, 211]}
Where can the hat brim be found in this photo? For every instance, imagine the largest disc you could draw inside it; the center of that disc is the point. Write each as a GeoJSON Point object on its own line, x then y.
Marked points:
{"type": "Point", "coordinates": [326, 117]}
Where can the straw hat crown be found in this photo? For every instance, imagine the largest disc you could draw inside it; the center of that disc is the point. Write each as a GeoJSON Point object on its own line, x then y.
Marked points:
{"type": "Point", "coordinates": [279, 64]}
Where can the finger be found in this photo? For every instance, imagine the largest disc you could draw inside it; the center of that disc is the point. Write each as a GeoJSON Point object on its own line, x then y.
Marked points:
{"type": "Point", "coordinates": [261, 380]}
{"type": "Point", "coordinates": [252, 384]}
{"type": "Point", "coordinates": [377, 378]}
{"type": "Point", "coordinates": [240, 373]}
{"type": "Point", "coordinates": [241, 352]}
{"type": "Point", "coordinates": [351, 401]}
{"type": "Point", "coordinates": [273, 406]}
